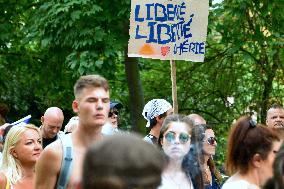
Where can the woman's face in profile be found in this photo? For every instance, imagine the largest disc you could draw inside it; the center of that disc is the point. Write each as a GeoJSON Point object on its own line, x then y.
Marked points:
{"type": "Point", "coordinates": [28, 148]}
{"type": "Point", "coordinates": [176, 140]}
{"type": "Point", "coordinates": [266, 167]}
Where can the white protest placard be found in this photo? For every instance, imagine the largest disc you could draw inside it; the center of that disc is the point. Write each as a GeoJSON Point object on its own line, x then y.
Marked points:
{"type": "Point", "coordinates": [168, 29]}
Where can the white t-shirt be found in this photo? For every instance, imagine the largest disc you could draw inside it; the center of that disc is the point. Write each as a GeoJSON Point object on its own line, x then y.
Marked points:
{"type": "Point", "coordinates": [170, 183]}
{"type": "Point", "coordinates": [235, 182]}
{"type": "Point", "coordinates": [107, 129]}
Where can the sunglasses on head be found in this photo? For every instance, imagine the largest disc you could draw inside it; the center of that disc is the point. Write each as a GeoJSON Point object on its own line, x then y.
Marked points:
{"type": "Point", "coordinates": [110, 114]}
{"type": "Point", "coordinates": [171, 137]}
{"type": "Point", "coordinates": [211, 140]}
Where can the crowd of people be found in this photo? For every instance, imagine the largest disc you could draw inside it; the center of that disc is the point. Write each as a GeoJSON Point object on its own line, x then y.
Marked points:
{"type": "Point", "coordinates": [177, 153]}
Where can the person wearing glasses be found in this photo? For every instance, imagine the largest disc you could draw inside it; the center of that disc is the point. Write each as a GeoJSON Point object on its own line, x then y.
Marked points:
{"type": "Point", "coordinates": [175, 139]}
{"type": "Point", "coordinates": [251, 152]}
{"type": "Point", "coordinates": [111, 126]}
{"type": "Point", "coordinates": [204, 139]}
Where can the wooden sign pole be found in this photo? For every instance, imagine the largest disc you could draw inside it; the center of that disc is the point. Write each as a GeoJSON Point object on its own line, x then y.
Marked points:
{"type": "Point", "coordinates": [174, 86]}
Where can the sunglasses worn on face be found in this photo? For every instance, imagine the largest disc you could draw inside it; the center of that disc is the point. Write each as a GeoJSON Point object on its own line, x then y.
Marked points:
{"type": "Point", "coordinates": [171, 137]}
{"type": "Point", "coordinates": [211, 140]}
{"type": "Point", "coordinates": [110, 114]}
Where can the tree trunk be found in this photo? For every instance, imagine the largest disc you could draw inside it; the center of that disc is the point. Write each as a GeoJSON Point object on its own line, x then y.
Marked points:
{"type": "Point", "coordinates": [136, 97]}
{"type": "Point", "coordinates": [268, 86]}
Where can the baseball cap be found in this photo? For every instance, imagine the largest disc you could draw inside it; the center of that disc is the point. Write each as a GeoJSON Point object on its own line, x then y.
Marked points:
{"type": "Point", "coordinates": [115, 104]}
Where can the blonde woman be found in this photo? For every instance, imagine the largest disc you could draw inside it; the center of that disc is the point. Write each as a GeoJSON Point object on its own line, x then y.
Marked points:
{"type": "Point", "coordinates": [22, 148]}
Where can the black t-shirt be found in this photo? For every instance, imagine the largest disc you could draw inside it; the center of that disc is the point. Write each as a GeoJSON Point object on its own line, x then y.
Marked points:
{"type": "Point", "coordinates": [47, 141]}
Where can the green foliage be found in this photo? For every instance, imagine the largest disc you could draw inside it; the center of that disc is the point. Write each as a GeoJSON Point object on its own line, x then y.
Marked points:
{"type": "Point", "coordinates": [46, 45]}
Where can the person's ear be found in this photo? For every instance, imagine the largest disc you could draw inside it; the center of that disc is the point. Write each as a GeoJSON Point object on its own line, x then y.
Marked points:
{"type": "Point", "coordinates": [75, 106]}
{"type": "Point", "coordinates": [159, 120]}
{"type": "Point", "coordinates": [14, 153]}
{"type": "Point", "coordinates": [42, 119]}
{"type": "Point", "coordinates": [256, 160]}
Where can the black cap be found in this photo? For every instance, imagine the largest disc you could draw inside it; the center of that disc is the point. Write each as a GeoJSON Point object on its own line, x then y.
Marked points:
{"type": "Point", "coordinates": [115, 104]}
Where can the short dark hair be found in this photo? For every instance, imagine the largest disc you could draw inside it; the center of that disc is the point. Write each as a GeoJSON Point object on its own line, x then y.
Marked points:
{"type": "Point", "coordinates": [246, 139]}
{"type": "Point", "coordinates": [90, 81]}
{"type": "Point", "coordinates": [153, 121]}
{"type": "Point", "coordinates": [122, 161]}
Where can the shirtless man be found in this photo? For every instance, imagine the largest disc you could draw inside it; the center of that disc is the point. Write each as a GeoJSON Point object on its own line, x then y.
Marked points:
{"type": "Point", "coordinates": [92, 106]}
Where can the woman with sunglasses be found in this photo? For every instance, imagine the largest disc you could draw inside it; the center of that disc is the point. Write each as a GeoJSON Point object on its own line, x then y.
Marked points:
{"type": "Point", "coordinates": [250, 154]}
{"type": "Point", "coordinates": [175, 141]}
{"type": "Point", "coordinates": [111, 126]}
{"type": "Point", "coordinates": [199, 162]}
{"type": "Point", "coordinates": [211, 175]}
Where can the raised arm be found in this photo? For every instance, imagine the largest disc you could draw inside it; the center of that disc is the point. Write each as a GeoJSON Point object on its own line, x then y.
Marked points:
{"type": "Point", "coordinates": [48, 166]}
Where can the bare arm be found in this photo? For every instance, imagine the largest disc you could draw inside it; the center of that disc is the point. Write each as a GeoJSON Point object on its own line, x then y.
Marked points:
{"type": "Point", "coordinates": [3, 181]}
{"type": "Point", "coordinates": [48, 166]}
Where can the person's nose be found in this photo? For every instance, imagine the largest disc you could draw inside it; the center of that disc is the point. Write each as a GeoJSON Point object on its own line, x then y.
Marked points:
{"type": "Point", "coordinates": [176, 140]}
{"type": "Point", "coordinates": [55, 131]}
{"type": "Point", "coordinates": [278, 119]}
{"type": "Point", "coordinates": [38, 146]}
{"type": "Point", "coordinates": [99, 105]}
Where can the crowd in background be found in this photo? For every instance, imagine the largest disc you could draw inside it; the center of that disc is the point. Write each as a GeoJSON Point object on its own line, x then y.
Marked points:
{"type": "Point", "coordinates": [177, 153]}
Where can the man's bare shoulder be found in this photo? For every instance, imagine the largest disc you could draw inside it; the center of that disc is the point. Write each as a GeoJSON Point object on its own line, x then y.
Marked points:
{"type": "Point", "coordinates": [48, 166]}
{"type": "Point", "coordinates": [51, 156]}
{"type": "Point", "coordinates": [54, 149]}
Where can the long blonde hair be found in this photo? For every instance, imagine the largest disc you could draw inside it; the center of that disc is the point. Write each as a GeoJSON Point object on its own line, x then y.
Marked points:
{"type": "Point", "coordinates": [11, 167]}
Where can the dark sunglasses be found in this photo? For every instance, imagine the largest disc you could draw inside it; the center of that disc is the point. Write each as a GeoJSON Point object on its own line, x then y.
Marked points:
{"type": "Point", "coordinates": [110, 114]}
{"type": "Point", "coordinates": [211, 140]}
{"type": "Point", "coordinates": [171, 137]}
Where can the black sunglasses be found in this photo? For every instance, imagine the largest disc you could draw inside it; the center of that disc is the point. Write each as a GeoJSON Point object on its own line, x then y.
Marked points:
{"type": "Point", "coordinates": [110, 114]}
{"type": "Point", "coordinates": [211, 140]}
{"type": "Point", "coordinates": [183, 137]}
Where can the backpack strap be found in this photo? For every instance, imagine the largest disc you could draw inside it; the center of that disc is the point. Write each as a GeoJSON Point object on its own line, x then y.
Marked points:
{"type": "Point", "coordinates": [67, 161]}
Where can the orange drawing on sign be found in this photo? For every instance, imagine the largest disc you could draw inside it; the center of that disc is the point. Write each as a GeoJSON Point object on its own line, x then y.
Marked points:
{"type": "Point", "coordinates": [146, 49]}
